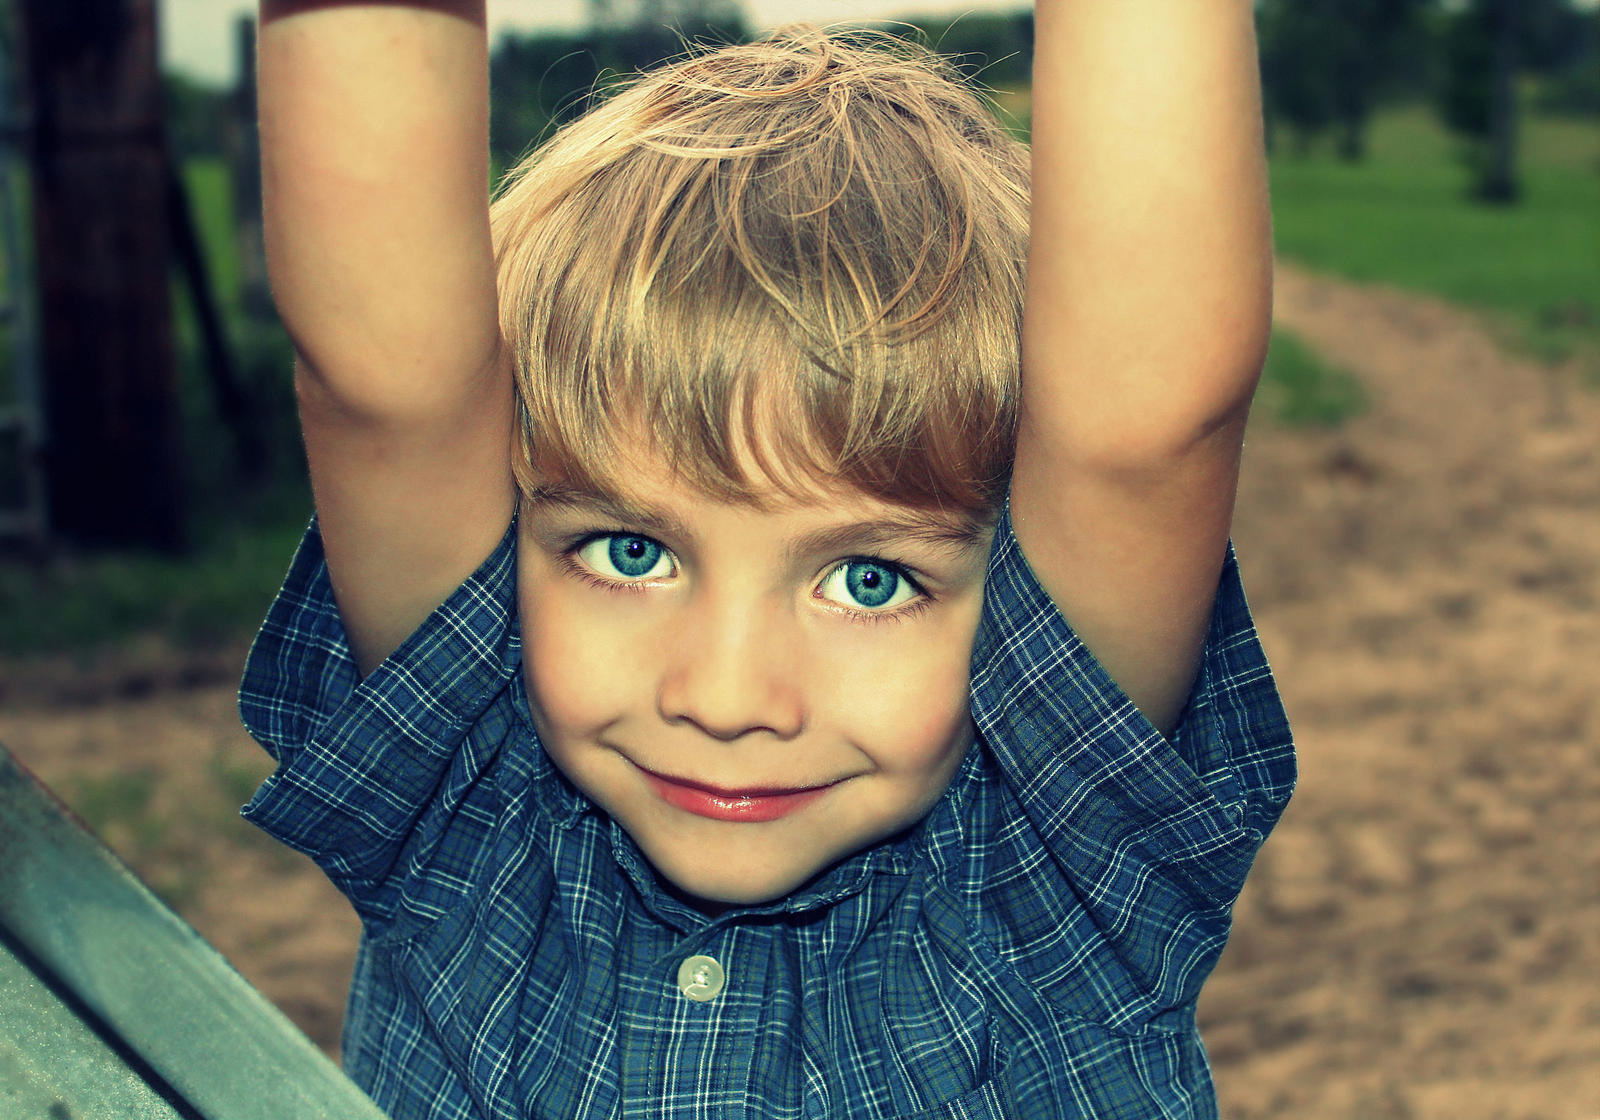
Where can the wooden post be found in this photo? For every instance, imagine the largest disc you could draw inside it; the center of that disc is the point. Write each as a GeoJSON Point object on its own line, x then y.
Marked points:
{"type": "Point", "coordinates": [101, 243]}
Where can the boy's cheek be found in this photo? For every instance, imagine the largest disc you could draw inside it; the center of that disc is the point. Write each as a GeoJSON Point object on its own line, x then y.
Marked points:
{"type": "Point", "coordinates": [575, 677]}
{"type": "Point", "coordinates": [910, 709]}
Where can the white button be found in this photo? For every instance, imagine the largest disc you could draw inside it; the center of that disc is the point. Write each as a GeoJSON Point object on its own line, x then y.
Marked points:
{"type": "Point", "coordinates": [701, 978]}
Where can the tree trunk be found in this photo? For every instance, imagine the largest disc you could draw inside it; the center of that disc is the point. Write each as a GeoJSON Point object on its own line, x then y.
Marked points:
{"type": "Point", "coordinates": [101, 246]}
{"type": "Point", "coordinates": [1499, 182]}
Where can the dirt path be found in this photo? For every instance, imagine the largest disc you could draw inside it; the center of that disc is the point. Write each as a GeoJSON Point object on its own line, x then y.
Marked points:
{"type": "Point", "coordinates": [1422, 936]}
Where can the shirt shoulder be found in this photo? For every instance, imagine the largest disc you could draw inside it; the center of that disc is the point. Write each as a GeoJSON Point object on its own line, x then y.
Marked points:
{"type": "Point", "coordinates": [1099, 836]}
{"type": "Point", "coordinates": [362, 761]}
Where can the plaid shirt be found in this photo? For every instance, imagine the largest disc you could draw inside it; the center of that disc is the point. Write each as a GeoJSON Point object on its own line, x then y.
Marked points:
{"type": "Point", "coordinates": [1032, 950]}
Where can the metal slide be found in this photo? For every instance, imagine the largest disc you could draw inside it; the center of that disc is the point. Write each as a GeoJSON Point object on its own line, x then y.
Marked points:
{"type": "Point", "coordinates": [112, 1006]}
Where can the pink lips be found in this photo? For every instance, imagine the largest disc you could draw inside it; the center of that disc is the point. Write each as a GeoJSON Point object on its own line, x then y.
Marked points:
{"type": "Point", "coordinates": [726, 805]}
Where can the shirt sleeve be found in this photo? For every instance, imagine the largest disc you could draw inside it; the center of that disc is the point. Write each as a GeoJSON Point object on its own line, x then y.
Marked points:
{"type": "Point", "coordinates": [1118, 853]}
{"type": "Point", "coordinates": [361, 763]}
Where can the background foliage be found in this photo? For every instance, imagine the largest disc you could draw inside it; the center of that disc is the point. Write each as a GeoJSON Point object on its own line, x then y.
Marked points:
{"type": "Point", "coordinates": [1377, 116]}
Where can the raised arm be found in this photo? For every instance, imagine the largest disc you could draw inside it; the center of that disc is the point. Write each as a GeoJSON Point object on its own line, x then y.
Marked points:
{"type": "Point", "coordinates": [374, 152]}
{"type": "Point", "coordinates": [1147, 316]}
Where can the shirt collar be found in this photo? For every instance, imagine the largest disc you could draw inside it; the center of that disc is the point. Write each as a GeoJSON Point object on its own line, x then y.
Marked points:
{"type": "Point", "coordinates": [843, 880]}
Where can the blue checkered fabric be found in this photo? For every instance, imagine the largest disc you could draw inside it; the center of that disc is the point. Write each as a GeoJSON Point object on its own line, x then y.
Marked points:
{"type": "Point", "coordinates": [1032, 950]}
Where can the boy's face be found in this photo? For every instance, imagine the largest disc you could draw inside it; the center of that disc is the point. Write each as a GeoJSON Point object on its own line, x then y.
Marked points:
{"type": "Point", "coordinates": [754, 693]}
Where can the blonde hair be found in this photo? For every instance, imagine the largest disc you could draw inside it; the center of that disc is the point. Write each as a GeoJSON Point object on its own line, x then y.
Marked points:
{"type": "Point", "coordinates": [807, 253]}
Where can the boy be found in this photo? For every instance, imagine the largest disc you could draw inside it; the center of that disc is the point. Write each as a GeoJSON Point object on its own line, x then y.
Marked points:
{"type": "Point", "coordinates": [755, 772]}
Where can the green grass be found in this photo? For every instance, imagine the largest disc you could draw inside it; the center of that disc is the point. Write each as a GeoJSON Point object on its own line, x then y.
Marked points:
{"type": "Point", "coordinates": [124, 809]}
{"type": "Point", "coordinates": [119, 802]}
{"type": "Point", "coordinates": [210, 199]}
{"type": "Point", "coordinates": [1403, 217]}
{"type": "Point", "coordinates": [219, 592]}
{"type": "Point", "coordinates": [167, 825]}
{"type": "Point", "coordinates": [1299, 389]}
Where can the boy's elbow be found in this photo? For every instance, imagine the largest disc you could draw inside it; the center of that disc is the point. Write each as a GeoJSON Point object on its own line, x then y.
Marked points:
{"type": "Point", "coordinates": [381, 385]}
{"type": "Point", "coordinates": [1119, 383]}
{"type": "Point", "coordinates": [376, 402]}
{"type": "Point", "coordinates": [1144, 425]}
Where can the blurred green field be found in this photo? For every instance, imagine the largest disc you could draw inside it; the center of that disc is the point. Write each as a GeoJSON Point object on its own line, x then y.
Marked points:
{"type": "Point", "coordinates": [1401, 217]}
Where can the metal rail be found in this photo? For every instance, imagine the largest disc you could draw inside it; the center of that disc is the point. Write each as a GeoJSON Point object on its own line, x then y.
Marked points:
{"type": "Point", "coordinates": [81, 938]}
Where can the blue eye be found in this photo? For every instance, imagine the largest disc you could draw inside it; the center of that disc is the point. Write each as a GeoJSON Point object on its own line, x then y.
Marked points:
{"type": "Point", "coordinates": [633, 556]}
{"type": "Point", "coordinates": [866, 586]}
{"type": "Point", "coordinates": [624, 556]}
{"type": "Point", "coordinates": [869, 584]}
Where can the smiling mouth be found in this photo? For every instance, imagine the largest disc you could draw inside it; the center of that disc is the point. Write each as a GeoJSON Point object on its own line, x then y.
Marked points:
{"type": "Point", "coordinates": [748, 805]}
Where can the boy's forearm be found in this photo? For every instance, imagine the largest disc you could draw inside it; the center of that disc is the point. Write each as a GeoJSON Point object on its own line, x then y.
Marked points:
{"type": "Point", "coordinates": [374, 134]}
{"type": "Point", "coordinates": [1150, 277]}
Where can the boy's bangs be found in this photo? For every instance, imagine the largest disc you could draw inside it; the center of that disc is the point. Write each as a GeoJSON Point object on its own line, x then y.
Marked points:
{"type": "Point", "coordinates": [709, 377]}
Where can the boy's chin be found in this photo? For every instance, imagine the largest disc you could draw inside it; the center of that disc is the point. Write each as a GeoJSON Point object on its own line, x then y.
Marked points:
{"type": "Point", "coordinates": [722, 883]}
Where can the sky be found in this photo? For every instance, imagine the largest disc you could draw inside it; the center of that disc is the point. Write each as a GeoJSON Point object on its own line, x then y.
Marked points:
{"type": "Point", "coordinates": [196, 36]}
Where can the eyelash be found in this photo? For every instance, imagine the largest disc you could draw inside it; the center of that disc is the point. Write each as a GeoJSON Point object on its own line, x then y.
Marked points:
{"type": "Point", "coordinates": [568, 558]}
{"type": "Point", "coordinates": [902, 613]}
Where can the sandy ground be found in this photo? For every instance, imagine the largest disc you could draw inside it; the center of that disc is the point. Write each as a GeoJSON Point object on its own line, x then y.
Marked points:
{"type": "Point", "coordinates": [1421, 937]}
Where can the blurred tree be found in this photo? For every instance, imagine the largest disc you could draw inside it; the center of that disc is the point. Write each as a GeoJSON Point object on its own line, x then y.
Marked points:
{"type": "Point", "coordinates": [1562, 45]}
{"type": "Point", "coordinates": [101, 237]}
{"type": "Point", "coordinates": [614, 14]}
{"type": "Point", "coordinates": [540, 80]}
{"type": "Point", "coordinates": [195, 114]}
{"type": "Point", "coordinates": [994, 48]}
{"type": "Point", "coordinates": [1555, 36]}
{"type": "Point", "coordinates": [1476, 96]}
{"type": "Point", "coordinates": [682, 13]}
{"type": "Point", "coordinates": [1483, 47]}
{"type": "Point", "coordinates": [1324, 65]}
{"type": "Point", "coordinates": [1498, 181]}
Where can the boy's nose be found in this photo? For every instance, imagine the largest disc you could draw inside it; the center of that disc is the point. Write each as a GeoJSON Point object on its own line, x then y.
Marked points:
{"type": "Point", "coordinates": [731, 673]}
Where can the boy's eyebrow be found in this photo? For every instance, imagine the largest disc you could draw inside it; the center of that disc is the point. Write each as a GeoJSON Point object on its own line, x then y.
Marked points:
{"type": "Point", "coordinates": [956, 531]}
{"type": "Point", "coordinates": [609, 505]}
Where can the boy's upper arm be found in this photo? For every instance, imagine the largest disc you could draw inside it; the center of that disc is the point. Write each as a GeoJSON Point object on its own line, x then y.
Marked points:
{"type": "Point", "coordinates": [407, 508]}
{"type": "Point", "coordinates": [1132, 559]}
{"type": "Point", "coordinates": [374, 134]}
{"type": "Point", "coordinates": [1146, 321]}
